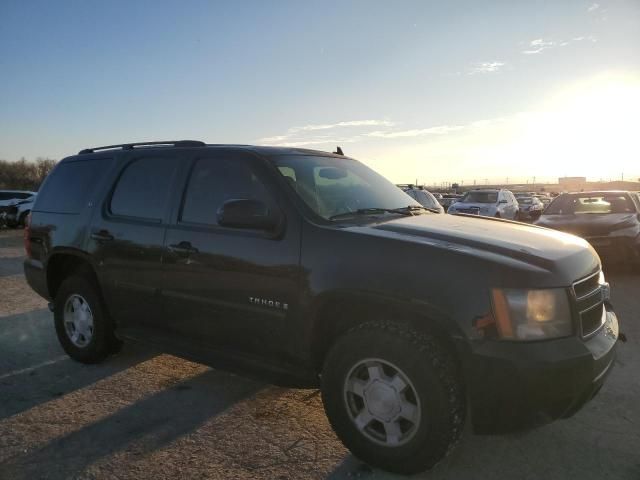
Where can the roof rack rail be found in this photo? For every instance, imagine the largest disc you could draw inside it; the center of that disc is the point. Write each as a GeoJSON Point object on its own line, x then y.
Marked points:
{"type": "Point", "coordinates": [131, 146]}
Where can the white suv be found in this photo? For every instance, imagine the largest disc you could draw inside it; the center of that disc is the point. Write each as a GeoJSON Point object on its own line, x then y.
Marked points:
{"type": "Point", "coordinates": [487, 203]}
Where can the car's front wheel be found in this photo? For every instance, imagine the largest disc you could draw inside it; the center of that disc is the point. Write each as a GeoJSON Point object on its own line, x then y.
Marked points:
{"type": "Point", "coordinates": [82, 323]}
{"type": "Point", "coordinates": [393, 396]}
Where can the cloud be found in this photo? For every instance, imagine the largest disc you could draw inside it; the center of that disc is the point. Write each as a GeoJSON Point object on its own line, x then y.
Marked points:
{"type": "Point", "coordinates": [538, 45]}
{"type": "Point", "coordinates": [351, 123]}
{"type": "Point", "coordinates": [593, 7]}
{"type": "Point", "coordinates": [417, 132]}
{"type": "Point", "coordinates": [486, 67]}
{"type": "Point", "coordinates": [311, 142]}
{"type": "Point", "coordinates": [325, 133]}
{"type": "Point", "coordinates": [330, 134]}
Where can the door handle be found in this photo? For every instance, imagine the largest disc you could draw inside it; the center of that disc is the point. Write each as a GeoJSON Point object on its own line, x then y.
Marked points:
{"type": "Point", "coordinates": [182, 248]}
{"type": "Point", "coordinates": [102, 236]}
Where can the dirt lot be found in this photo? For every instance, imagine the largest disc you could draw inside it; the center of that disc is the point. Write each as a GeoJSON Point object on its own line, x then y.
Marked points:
{"type": "Point", "coordinates": [147, 415]}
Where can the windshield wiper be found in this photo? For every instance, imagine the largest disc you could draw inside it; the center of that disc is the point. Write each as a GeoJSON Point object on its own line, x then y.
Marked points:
{"type": "Point", "coordinates": [408, 211]}
{"type": "Point", "coordinates": [370, 211]}
{"type": "Point", "coordinates": [415, 208]}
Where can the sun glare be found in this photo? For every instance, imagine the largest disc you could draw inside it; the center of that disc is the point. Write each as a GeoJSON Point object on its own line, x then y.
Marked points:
{"type": "Point", "coordinates": [589, 129]}
{"type": "Point", "coordinates": [586, 129]}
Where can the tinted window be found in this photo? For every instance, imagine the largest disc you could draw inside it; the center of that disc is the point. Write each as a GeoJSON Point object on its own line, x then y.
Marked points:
{"type": "Point", "coordinates": [69, 185]}
{"type": "Point", "coordinates": [143, 188]}
{"type": "Point", "coordinates": [214, 181]}
{"type": "Point", "coordinates": [10, 195]}
{"type": "Point", "coordinates": [481, 197]}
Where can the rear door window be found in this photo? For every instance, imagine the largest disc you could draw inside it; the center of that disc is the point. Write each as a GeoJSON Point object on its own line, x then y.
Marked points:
{"type": "Point", "coordinates": [68, 187]}
{"type": "Point", "coordinates": [142, 191]}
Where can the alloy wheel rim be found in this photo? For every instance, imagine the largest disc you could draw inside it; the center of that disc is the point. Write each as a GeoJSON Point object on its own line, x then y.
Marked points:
{"type": "Point", "coordinates": [78, 320]}
{"type": "Point", "coordinates": [382, 402]}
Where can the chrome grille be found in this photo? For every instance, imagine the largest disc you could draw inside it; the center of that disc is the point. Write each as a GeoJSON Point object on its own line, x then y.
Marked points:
{"type": "Point", "coordinates": [589, 300]}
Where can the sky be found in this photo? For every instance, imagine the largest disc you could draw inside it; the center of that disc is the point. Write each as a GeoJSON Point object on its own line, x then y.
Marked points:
{"type": "Point", "coordinates": [458, 91]}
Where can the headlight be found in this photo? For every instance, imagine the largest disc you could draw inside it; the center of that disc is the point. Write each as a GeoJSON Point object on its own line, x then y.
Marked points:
{"type": "Point", "coordinates": [532, 314]}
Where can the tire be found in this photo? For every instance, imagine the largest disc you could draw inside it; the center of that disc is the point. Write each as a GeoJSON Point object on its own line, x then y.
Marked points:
{"type": "Point", "coordinates": [432, 388]}
{"type": "Point", "coordinates": [99, 340]}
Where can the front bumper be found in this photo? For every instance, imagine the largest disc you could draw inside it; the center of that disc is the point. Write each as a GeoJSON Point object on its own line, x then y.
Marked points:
{"type": "Point", "coordinates": [515, 386]}
{"type": "Point", "coordinates": [616, 249]}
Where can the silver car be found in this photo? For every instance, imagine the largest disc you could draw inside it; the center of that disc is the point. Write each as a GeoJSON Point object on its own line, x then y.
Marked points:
{"type": "Point", "coordinates": [487, 203]}
{"type": "Point", "coordinates": [422, 196]}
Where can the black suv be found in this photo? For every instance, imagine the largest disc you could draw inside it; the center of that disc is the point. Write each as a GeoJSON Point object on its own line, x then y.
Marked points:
{"type": "Point", "coordinates": [311, 269]}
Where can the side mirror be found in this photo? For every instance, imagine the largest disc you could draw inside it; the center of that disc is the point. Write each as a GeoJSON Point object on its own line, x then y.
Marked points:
{"type": "Point", "coordinates": [247, 213]}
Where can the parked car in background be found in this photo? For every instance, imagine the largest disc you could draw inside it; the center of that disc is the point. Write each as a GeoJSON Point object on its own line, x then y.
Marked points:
{"type": "Point", "coordinates": [530, 208]}
{"type": "Point", "coordinates": [422, 196]}
{"type": "Point", "coordinates": [544, 199]}
{"type": "Point", "coordinates": [15, 205]}
{"type": "Point", "coordinates": [498, 203]}
{"type": "Point", "coordinates": [609, 221]}
{"type": "Point", "coordinates": [449, 199]}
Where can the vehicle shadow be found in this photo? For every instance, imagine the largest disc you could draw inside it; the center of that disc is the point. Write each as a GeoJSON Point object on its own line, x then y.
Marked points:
{"type": "Point", "coordinates": [34, 369]}
{"type": "Point", "coordinates": [11, 266]}
{"type": "Point", "coordinates": [146, 426]}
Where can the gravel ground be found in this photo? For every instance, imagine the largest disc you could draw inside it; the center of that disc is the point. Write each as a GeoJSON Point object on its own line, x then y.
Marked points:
{"type": "Point", "coordinates": [147, 415]}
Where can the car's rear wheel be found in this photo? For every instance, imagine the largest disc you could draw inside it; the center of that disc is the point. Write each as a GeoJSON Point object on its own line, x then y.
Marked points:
{"type": "Point", "coordinates": [82, 323]}
{"type": "Point", "coordinates": [393, 396]}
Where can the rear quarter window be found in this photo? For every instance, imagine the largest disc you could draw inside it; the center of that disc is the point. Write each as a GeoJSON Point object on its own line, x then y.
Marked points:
{"type": "Point", "coordinates": [69, 185]}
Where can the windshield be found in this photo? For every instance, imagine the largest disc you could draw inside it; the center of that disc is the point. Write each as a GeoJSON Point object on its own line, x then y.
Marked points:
{"type": "Point", "coordinates": [8, 195]}
{"type": "Point", "coordinates": [525, 200]}
{"type": "Point", "coordinates": [334, 186]}
{"type": "Point", "coordinates": [480, 197]}
{"type": "Point", "coordinates": [590, 203]}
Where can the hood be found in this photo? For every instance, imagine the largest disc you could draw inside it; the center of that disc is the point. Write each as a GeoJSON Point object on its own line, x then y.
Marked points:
{"type": "Point", "coordinates": [590, 224]}
{"type": "Point", "coordinates": [469, 234]}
